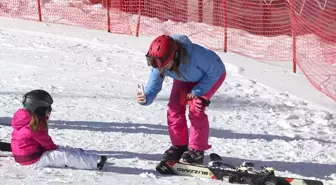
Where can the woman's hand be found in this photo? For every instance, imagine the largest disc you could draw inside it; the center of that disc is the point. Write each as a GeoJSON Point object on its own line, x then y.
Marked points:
{"type": "Point", "coordinates": [191, 96]}
{"type": "Point", "coordinates": [140, 98]}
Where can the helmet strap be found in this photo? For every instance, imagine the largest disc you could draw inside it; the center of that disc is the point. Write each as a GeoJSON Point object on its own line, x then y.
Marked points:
{"type": "Point", "coordinates": [177, 55]}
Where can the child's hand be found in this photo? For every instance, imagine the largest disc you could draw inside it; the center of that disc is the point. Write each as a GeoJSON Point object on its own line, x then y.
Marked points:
{"type": "Point", "coordinates": [140, 98]}
{"type": "Point", "coordinates": [191, 96]}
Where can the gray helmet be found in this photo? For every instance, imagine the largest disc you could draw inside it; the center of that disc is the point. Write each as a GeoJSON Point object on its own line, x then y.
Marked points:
{"type": "Point", "coordinates": [37, 99]}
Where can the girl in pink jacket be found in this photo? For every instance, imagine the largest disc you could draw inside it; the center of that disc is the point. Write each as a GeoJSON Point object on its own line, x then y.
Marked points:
{"type": "Point", "coordinates": [31, 143]}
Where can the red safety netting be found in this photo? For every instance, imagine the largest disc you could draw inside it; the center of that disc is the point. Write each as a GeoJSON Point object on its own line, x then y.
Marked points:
{"type": "Point", "coordinates": [314, 28]}
{"type": "Point", "coordinates": [19, 9]}
{"type": "Point", "coordinates": [302, 31]}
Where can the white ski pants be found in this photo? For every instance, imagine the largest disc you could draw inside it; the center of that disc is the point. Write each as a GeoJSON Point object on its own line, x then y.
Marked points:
{"type": "Point", "coordinates": [67, 157]}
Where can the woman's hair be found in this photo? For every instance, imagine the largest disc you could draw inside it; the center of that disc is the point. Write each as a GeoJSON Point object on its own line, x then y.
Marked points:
{"type": "Point", "coordinates": [175, 68]}
{"type": "Point", "coordinates": [35, 122]}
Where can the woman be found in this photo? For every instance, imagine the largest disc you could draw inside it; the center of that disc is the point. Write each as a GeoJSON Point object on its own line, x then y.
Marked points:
{"type": "Point", "coordinates": [198, 73]}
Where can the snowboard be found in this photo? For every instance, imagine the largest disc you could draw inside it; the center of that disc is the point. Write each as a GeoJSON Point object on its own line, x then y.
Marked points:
{"type": "Point", "coordinates": [219, 170]}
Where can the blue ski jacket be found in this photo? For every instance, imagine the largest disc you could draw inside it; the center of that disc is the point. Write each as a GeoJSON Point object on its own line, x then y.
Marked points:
{"type": "Point", "coordinates": [203, 66]}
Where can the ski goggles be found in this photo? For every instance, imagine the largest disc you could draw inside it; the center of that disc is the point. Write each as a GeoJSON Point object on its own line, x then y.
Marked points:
{"type": "Point", "coordinates": [156, 62]}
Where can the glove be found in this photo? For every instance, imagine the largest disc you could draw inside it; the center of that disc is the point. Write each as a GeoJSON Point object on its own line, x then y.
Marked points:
{"type": "Point", "coordinates": [200, 104]}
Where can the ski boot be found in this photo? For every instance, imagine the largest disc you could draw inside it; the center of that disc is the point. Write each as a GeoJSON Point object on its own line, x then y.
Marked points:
{"type": "Point", "coordinates": [193, 156]}
{"type": "Point", "coordinates": [101, 162]}
{"type": "Point", "coordinates": [174, 153]}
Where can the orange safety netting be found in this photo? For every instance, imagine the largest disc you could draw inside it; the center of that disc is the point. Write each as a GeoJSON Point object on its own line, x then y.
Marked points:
{"type": "Point", "coordinates": [302, 31]}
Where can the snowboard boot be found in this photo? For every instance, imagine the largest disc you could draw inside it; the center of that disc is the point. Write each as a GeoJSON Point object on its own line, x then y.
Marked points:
{"type": "Point", "coordinates": [101, 162]}
{"type": "Point", "coordinates": [5, 147]}
{"type": "Point", "coordinates": [193, 156]}
{"type": "Point", "coordinates": [174, 153]}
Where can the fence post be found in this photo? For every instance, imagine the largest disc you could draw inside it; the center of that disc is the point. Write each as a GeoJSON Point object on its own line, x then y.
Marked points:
{"type": "Point", "coordinates": [266, 18]}
{"type": "Point", "coordinates": [293, 26]}
{"type": "Point", "coordinates": [139, 18]}
{"type": "Point", "coordinates": [107, 2]}
{"type": "Point", "coordinates": [200, 10]}
{"type": "Point", "coordinates": [225, 25]}
{"type": "Point", "coordinates": [39, 10]}
{"type": "Point", "coordinates": [215, 13]}
{"type": "Point", "coordinates": [121, 7]}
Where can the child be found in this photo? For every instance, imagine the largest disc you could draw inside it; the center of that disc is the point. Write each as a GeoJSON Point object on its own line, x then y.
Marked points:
{"type": "Point", "coordinates": [31, 144]}
{"type": "Point", "coordinates": [197, 73]}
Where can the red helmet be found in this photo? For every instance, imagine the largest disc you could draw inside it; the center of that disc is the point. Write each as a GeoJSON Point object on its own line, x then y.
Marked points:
{"type": "Point", "coordinates": [162, 50]}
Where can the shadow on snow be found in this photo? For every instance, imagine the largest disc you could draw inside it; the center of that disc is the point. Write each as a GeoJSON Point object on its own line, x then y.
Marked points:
{"type": "Point", "coordinates": [302, 168]}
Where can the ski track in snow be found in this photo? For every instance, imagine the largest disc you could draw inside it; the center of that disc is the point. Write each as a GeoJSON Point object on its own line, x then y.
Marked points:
{"type": "Point", "coordinates": [94, 87]}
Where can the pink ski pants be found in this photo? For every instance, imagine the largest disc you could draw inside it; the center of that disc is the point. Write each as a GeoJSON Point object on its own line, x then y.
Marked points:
{"type": "Point", "coordinates": [177, 123]}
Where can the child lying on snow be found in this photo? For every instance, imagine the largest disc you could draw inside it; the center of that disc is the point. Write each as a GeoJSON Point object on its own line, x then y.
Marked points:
{"type": "Point", "coordinates": [31, 144]}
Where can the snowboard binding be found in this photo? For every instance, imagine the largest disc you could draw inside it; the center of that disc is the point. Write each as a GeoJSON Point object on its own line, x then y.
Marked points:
{"type": "Point", "coordinates": [245, 167]}
{"type": "Point", "coordinates": [267, 175]}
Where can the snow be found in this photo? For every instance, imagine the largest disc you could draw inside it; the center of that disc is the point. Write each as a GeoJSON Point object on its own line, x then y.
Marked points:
{"type": "Point", "coordinates": [263, 112]}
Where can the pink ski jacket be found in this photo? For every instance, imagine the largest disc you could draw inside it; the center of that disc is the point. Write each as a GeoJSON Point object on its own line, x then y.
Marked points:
{"type": "Point", "coordinates": [27, 145]}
